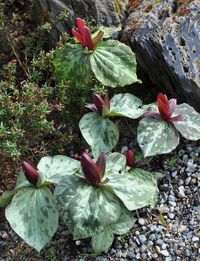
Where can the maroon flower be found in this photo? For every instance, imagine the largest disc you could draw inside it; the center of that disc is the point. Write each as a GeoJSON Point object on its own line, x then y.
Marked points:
{"type": "Point", "coordinates": [99, 103]}
{"type": "Point", "coordinates": [166, 109]}
{"type": "Point", "coordinates": [30, 172]}
{"type": "Point", "coordinates": [84, 36]}
{"type": "Point", "coordinates": [93, 171]}
{"type": "Point", "coordinates": [130, 158]}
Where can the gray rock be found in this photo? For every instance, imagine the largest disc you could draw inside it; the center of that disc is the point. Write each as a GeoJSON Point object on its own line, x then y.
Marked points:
{"type": "Point", "coordinates": [142, 239]}
{"type": "Point", "coordinates": [159, 242]}
{"type": "Point", "coordinates": [171, 198]}
{"type": "Point", "coordinates": [101, 12]}
{"type": "Point", "coordinates": [166, 40]}
{"type": "Point", "coordinates": [142, 221]}
{"type": "Point", "coordinates": [195, 239]}
{"type": "Point", "coordinates": [164, 253]}
{"type": "Point", "coordinates": [131, 255]}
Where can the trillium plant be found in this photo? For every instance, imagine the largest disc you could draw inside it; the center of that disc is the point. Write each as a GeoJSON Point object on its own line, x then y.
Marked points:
{"type": "Point", "coordinates": [111, 62]}
{"type": "Point", "coordinates": [97, 200]}
{"type": "Point", "coordinates": [97, 128]}
{"type": "Point", "coordinates": [94, 198]}
{"type": "Point", "coordinates": [30, 207]}
{"type": "Point", "coordinates": [159, 131]}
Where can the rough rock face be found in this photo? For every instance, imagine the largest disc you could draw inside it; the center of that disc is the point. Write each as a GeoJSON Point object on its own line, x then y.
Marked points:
{"type": "Point", "coordinates": [166, 39]}
{"type": "Point", "coordinates": [102, 12]}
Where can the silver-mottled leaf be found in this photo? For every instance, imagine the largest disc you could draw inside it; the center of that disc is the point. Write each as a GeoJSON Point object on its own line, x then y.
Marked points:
{"type": "Point", "coordinates": [33, 216]}
{"type": "Point", "coordinates": [156, 137]}
{"type": "Point", "coordinates": [126, 105]}
{"type": "Point", "coordinates": [114, 64]}
{"type": "Point", "coordinates": [72, 64]}
{"type": "Point", "coordinates": [101, 242]}
{"type": "Point", "coordinates": [85, 209]}
{"type": "Point", "coordinates": [108, 31]}
{"type": "Point", "coordinates": [136, 189]}
{"type": "Point", "coordinates": [115, 162]}
{"type": "Point", "coordinates": [22, 181]}
{"type": "Point", "coordinates": [100, 133]}
{"type": "Point", "coordinates": [124, 223]}
{"type": "Point", "coordinates": [190, 127]}
{"type": "Point", "coordinates": [53, 169]}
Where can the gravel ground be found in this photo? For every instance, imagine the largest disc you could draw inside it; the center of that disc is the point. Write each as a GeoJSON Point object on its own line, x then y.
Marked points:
{"type": "Point", "coordinates": [170, 231]}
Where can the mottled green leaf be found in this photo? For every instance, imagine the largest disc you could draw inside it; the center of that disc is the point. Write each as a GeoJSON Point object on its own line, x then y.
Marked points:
{"type": "Point", "coordinates": [33, 216]}
{"type": "Point", "coordinates": [124, 223]}
{"type": "Point", "coordinates": [22, 181]}
{"type": "Point", "coordinates": [101, 242]}
{"type": "Point", "coordinates": [53, 169]}
{"type": "Point", "coordinates": [72, 64]}
{"type": "Point", "coordinates": [115, 162]}
{"type": "Point", "coordinates": [108, 31]}
{"type": "Point", "coordinates": [190, 127]}
{"type": "Point", "coordinates": [6, 198]}
{"type": "Point", "coordinates": [114, 64]}
{"type": "Point", "coordinates": [136, 189]}
{"type": "Point", "coordinates": [85, 209]}
{"type": "Point", "coordinates": [100, 133]}
{"type": "Point", "coordinates": [126, 105]}
{"type": "Point", "coordinates": [156, 137]}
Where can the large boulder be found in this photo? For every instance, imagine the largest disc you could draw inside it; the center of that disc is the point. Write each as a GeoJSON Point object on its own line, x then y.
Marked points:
{"type": "Point", "coordinates": [166, 39]}
{"type": "Point", "coordinates": [100, 12]}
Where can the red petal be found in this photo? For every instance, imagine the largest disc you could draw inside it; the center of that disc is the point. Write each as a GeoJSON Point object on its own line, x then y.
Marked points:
{"type": "Point", "coordinates": [78, 36]}
{"type": "Point", "coordinates": [130, 158]}
{"type": "Point", "coordinates": [99, 102]}
{"type": "Point", "coordinates": [163, 106]}
{"type": "Point", "coordinates": [87, 38]}
{"type": "Point", "coordinates": [106, 102]}
{"type": "Point", "coordinates": [90, 169]}
{"type": "Point", "coordinates": [81, 24]}
{"type": "Point", "coordinates": [101, 163]}
{"type": "Point", "coordinates": [30, 172]}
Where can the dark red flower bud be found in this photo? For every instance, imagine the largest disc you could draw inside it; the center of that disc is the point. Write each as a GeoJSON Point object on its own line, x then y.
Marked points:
{"type": "Point", "coordinates": [99, 102]}
{"type": "Point", "coordinates": [90, 170]}
{"type": "Point", "coordinates": [106, 102]}
{"type": "Point", "coordinates": [30, 172]}
{"type": "Point", "coordinates": [166, 109]}
{"type": "Point", "coordinates": [163, 106]}
{"type": "Point", "coordinates": [130, 158]}
{"type": "Point", "coordinates": [101, 163]}
{"type": "Point", "coordinates": [83, 34]}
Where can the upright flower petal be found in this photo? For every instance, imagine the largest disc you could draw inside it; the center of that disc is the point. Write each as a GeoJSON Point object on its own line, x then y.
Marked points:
{"type": "Point", "coordinates": [163, 106]}
{"type": "Point", "coordinates": [106, 102]}
{"type": "Point", "coordinates": [101, 164]}
{"type": "Point", "coordinates": [81, 24]}
{"type": "Point", "coordinates": [90, 170]}
{"type": "Point", "coordinates": [78, 36]}
{"type": "Point", "coordinates": [87, 38]}
{"type": "Point", "coordinates": [130, 158]}
{"type": "Point", "coordinates": [30, 172]}
{"type": "Point", "coordinates": [172, 105]}
{"type": "Point", "coordinates": [99, 102]}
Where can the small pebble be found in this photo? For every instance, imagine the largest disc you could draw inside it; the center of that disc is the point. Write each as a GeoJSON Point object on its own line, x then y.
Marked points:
{"type": "Point", "coordinates": [164, 253]}
{"type": "Point", "coordinates": [142, 239]}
